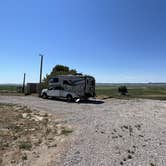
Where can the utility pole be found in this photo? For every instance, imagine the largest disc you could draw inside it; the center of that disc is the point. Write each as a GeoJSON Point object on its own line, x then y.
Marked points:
{"type": "Point", "coordinates": [41, 68]}
{"type": "Point", "coordinates": [23, 86]}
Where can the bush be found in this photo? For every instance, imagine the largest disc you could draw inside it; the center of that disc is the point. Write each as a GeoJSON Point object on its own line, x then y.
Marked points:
{"type": "Point", "coordinates": [66, 131]}
{"type": "Point", "coordinates": [26, 145]}
{"type": "Point", "coordinates": [123, 90]}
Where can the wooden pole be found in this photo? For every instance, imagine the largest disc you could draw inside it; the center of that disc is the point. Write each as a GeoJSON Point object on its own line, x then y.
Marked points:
{"type": "Point", "coordinates": [23, 86]}
{"type": "Point", "coordinates": [40, 81]}
{"type": "Point", "coordinates": [41, 68]}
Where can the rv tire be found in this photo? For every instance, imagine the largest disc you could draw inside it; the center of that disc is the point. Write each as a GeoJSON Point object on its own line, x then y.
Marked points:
{"type": "Point", "coordinates": [44, 96]}
{"type": "Point", "coordinates": [69, 98]}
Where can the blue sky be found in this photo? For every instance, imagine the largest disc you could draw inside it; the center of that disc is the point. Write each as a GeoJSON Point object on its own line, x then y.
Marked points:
{"type": "Point", "coordinates": [113, 40]}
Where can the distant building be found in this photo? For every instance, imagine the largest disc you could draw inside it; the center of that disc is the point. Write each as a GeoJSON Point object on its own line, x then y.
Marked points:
{"type": "Point", "coordinates": [32, 88]}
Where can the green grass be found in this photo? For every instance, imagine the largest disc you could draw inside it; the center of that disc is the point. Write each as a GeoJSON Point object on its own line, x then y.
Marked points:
{"type": "Point", "coordinates": [25, 145]}
{"type": "Point", "coordinates": [11, 88]}
{"type": "Point", "coordinates": [66, 131]}
{"type": "Point", "coordinates": [135, 91]}
{"type": "Point", "coordinates": [148, 91]}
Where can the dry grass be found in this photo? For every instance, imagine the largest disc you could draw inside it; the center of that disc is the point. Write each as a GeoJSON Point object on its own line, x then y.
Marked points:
{"type": "Point", "coordinates": [22, 130]}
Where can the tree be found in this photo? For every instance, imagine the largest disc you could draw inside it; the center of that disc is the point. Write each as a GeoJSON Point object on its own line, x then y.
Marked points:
{"type": "Point", "coordinates": [58, 70]}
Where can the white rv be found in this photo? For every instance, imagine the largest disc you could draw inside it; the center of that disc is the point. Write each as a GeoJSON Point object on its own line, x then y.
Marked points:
{"type": "Point", "coordinates": [71, 87]}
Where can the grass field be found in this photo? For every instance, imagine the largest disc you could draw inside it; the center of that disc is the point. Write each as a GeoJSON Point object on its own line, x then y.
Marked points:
{"type": "Point", "coordinates": [149, 91]}
{"type": "Point", "coordinates": [6, 87]}
{"type": "Point", "coordinates": [152, 91]}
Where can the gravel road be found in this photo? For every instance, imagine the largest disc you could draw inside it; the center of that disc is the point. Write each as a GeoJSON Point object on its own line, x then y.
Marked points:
{"type": "Point", "coordinates": [108, 133]}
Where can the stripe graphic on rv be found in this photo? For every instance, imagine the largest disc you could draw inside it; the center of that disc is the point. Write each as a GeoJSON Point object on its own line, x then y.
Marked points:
{"type": "Point", "coordinates": [76, 82]}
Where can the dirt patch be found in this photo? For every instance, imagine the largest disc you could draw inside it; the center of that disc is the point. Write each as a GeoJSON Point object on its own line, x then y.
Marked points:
{"type": "Point", "coordinates": [27, 135]}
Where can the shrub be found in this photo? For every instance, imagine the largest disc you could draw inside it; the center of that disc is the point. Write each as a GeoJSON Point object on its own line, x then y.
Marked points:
{"type": "Point", "coordinates": [123, 90]}
{"type": "Point", "coordinates": [25, 145]}
{"type": "Point", "coordinates": [66, 131]}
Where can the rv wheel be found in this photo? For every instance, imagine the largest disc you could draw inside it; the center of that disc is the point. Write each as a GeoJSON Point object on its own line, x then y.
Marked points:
{"type": "Point", "coordinates": [69, 98]}
{"type": "Point", "coordinates": [44, 96]}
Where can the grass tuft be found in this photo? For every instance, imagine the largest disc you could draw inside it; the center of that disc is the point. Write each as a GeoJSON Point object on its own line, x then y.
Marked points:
{"type": "Point", "coordinates": [26, 145]}
{"type": "Point", "coordinates": [66, 131]}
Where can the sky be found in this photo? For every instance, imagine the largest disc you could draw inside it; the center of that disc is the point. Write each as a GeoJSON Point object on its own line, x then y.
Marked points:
{"type": "Point", "coordinates": [112, 40]}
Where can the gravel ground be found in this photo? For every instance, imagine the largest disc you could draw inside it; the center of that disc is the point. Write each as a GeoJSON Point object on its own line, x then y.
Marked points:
{"type": "Point", "coordinates": [108, 133]}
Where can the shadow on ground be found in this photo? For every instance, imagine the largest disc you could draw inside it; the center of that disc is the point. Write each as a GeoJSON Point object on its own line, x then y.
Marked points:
{"type": "Point", "coordinates": [92, 101]}
{"type": "Point", "coordinates": [81, 101]}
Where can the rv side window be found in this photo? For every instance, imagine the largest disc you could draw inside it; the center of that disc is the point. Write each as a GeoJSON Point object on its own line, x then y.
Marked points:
{"type": "Point", "coordinates": [55, 80]}
{"type": "Point", "coordinates": [92, 82]}
{"type": "Point", "coordinates": [58, 88]}
{"type": "Point", "coordinates": [65, 82]}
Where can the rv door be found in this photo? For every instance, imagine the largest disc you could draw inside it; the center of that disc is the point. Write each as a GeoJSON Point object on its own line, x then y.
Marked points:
{"type": "Point", "coordinates": [53, 92]}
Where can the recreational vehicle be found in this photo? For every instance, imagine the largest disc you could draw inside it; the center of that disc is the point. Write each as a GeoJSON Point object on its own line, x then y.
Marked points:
{"type": "Point", "coordinates": [71, 87]}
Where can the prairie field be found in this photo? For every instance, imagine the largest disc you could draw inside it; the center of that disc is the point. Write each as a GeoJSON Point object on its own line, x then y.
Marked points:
{"type": "Point", "coordinates": [147, 91]}
{"type": "Point", "coordinates": [8, 87]}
